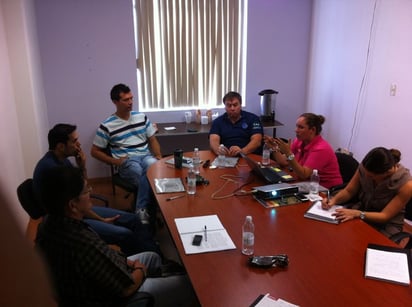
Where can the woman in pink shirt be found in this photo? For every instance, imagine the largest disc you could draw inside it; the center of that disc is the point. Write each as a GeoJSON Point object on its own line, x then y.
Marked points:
{"type": "Point", "coordinates": [308, 151]}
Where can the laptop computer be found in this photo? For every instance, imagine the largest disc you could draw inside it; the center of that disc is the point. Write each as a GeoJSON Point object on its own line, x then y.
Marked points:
{"type": "Point", "coordinates": [270, 174]}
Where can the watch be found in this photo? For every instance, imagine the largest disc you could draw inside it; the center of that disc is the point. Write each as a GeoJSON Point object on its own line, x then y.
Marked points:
{"type": "Point", "coordinates": [290, 157]}
{"type": "Point", "coordinates": [362, 215]}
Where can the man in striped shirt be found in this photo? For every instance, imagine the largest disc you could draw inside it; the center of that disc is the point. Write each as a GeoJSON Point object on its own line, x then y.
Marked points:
{"type": "Point", "coordinates": [134, 147]}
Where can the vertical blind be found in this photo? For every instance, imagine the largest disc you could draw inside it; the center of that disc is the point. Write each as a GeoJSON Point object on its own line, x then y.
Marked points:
{"type": "Point", "coordinates": [190, 52]}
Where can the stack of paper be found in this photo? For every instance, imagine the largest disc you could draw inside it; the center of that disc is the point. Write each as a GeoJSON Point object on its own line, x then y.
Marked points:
{"type": "Point", "coordinates": [215, 236]}
{"type": "Point", "coordinates": [269, 301]}
{"type": "Point", "coordinates": [317, 213]}
{"type": "Point", "coordinates": [169, 185]}
{"type": "Point", "coordinates": [388, 263]}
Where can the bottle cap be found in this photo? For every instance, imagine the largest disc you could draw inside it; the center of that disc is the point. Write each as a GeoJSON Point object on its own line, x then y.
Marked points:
{"type": "Point", "coordinates": [248, 218]}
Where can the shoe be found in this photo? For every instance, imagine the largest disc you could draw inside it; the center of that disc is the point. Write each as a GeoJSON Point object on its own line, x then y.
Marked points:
{"type": "Point", "coordinates": [143, 216]}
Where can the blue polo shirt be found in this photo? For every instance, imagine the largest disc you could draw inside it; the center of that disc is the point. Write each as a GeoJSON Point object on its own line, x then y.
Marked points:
{"type": "Point", "coordinates": [239, 133]}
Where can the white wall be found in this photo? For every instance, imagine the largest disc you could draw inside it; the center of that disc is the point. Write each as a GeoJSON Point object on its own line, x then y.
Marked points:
{"type": "Point", "coordinates": [22, 104]}
{"type": "Point", "coordinates": [88, 46]}
{"type": "Point", "coordinates": [361, 114]}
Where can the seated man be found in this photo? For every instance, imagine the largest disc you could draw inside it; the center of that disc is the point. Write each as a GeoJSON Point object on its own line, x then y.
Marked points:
{"type": "Point", "coordinates": [238, 130]}
{"type": "Point", "coordinates": [113, 226]}
{"type": "Point", "coordinates": [85, 271]}
{"type": "Point", "coordinates": [130, 136]}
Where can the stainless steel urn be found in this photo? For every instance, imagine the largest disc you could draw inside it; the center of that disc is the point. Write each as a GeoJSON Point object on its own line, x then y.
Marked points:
{"type": "Point", "coordinates": [267, 105]}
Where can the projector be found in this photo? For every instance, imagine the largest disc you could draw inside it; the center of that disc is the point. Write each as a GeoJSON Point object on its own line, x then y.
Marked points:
{"type": "Point", "coordinates": [277, 190]}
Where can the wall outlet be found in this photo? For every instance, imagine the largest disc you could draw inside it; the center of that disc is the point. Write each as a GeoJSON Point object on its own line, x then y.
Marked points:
{"type": "Point", "coordinates": [392, 90]}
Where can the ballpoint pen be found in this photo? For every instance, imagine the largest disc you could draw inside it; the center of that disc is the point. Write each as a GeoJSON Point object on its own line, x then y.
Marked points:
{"type": "Point", "coordinates": [205, 233]}
{"type": "Point", "coordinates": [175, 197]}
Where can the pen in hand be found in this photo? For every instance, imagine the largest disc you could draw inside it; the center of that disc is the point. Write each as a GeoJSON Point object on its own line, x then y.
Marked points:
{"type": "Point", "coordinates": [205, 233]}
{"type": "Point", "coordinates": [175, 197]}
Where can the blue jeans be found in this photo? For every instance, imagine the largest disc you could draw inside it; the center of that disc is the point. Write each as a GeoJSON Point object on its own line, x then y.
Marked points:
{"type": "Point", "coordinates": [134, 170]}
{"type": "Point", "coordinates": [175, 290]}
{"type": "Point", "coordinates": [127, 231]}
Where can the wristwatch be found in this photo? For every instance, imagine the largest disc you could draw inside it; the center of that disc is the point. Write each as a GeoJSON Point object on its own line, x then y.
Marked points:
{"type": "Point", "coordinates": [362, 215]}
{"type": "Point", "coordinates": [290, 157]}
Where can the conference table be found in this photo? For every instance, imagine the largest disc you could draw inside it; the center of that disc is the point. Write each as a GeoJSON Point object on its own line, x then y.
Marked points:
{"type": "Point", "coordinates": [326, 261]}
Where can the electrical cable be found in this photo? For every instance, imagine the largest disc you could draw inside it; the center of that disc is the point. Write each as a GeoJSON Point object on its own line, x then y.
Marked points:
{"type": "Point", "coordinates": [355, 120]}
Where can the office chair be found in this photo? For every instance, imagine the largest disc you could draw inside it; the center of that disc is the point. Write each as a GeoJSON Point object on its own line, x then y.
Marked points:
{"type": "Point", "coordinates": [130, 189]}
{"type": "Point", "coordinates": [347, 168]}
{"type": "Point", "coordinates": [28, 201]}
{"type": "Point", "coordinates": [400, 236]}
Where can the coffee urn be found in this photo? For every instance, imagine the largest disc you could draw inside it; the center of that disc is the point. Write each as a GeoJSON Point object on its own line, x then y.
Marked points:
{"type": "Point", "coordinates": [267, 105]}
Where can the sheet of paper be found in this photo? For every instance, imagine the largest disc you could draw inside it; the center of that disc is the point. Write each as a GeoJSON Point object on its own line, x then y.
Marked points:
{"type": "Point", "coordinates": [217, 237]}
{"type": "Point", "coordinates": [269, 301]}
{"type": "Point", "coordinates": [217, 240]}
{"type": "Point", "coordinates": [387, 265]}
{"type": "Point", "coordinates": [197, 224]}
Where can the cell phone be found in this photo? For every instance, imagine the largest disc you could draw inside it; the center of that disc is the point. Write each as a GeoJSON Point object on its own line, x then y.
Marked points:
{"type": "Point", "coordinates": [197, 239]}
{"type": "Point", "coordinates": [301, 197]}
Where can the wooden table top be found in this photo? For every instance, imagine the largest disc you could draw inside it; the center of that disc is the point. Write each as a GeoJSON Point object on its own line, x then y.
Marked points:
{"type": "Point", "coordinates": [326, 265]}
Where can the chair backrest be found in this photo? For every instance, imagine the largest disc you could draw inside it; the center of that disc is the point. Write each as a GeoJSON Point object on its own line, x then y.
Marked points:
{"type": "Point", "coordinates": [347, 166]}
{"type": "Point", "coordinates": [408, 210]}
{"type": "Point", "coordinates": [28, 199]}
{"type": "Point", "coordinates": [117, 180]}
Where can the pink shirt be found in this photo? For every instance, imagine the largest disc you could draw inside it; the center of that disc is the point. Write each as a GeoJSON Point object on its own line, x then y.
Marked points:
{"type": "Point", "coordinates": [319, 155]}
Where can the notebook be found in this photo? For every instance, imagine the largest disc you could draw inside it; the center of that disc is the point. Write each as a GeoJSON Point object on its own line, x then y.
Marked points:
{"type": "Point", "coordinates": [270, 174]}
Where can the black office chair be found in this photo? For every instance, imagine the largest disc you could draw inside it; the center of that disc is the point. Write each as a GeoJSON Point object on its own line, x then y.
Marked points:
{"type": "Point", "coordinates": [347, 167]}
{"type": "Point", "coordinates": [28, 200]}
{"type": "Point", "coordinates": [130, 188]}
{"type": "Point", "coordinates": [401, 236]}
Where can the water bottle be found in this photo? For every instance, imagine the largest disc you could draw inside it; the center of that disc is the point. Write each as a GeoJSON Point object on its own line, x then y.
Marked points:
{"type": "Point", "coordinates": [196, 161]}
{"type": "Point", "coordinates": [266, 155]}
{"type": "Point", "coordinates": [248, 236]}
{"type": "Point", "coordinates": [221, 158]}
{"type": "Point", "coordinates": [314, 183]}
{"type": "Point", "coordinates": [191, 181]}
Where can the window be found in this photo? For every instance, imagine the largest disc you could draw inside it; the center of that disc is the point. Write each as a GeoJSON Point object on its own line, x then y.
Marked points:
{"type": "Point", "coordinates": [189, 52]}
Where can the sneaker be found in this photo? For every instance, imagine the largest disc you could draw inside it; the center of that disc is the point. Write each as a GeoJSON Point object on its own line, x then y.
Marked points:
{"type": "Point", "coordinates": [143, 216]}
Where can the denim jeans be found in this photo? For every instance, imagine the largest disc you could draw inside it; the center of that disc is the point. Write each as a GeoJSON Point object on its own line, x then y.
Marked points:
{"type": "Point", "coordinates": [175, 290]}
{"type": "Point", "coordinates": [127, 231]}
{"type": "Point", "coordinates": [134, 170]}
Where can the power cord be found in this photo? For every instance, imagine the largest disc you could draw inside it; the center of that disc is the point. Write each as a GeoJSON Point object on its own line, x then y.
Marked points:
{"type": "Point", "coordinates": [237, 192]}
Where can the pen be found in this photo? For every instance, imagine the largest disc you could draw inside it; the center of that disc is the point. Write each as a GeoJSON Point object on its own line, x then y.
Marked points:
{"type": "Point", "coordinates": [175, 197]}
{"type": "Point", "coordinates": [205, 233]}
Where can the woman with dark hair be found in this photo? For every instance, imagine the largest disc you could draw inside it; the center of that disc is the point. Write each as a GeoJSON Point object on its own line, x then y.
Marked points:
{"type": "Point", "coordinates": [382, 187]}
{"type": "Point", "coordinates": [308, 151]}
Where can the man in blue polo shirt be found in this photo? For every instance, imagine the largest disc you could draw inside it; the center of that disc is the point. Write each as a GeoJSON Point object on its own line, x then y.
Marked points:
{"type": "Point", "coordinates": [238, 130]}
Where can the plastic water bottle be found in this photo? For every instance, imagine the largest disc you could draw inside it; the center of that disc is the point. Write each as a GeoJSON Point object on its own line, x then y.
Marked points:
{"type": "Point", "coordinates": [221, 158]}
{"type": "Point", "coordinates": [314, 183]}
{"type": "Point", "coordinates": [266, 155]}
{"type": "Point", "coordinates": [196, 161]}
{"type": "Point", "coordinates": [248, 236]}
{"type": "Point", "coordinates": [191, 181]}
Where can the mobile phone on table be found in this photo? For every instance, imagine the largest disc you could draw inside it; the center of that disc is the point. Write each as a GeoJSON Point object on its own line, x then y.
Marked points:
{"type": "Point", "coordinates": [197, 239]}
{"type": "Point", "coordinates": [302, 197]}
